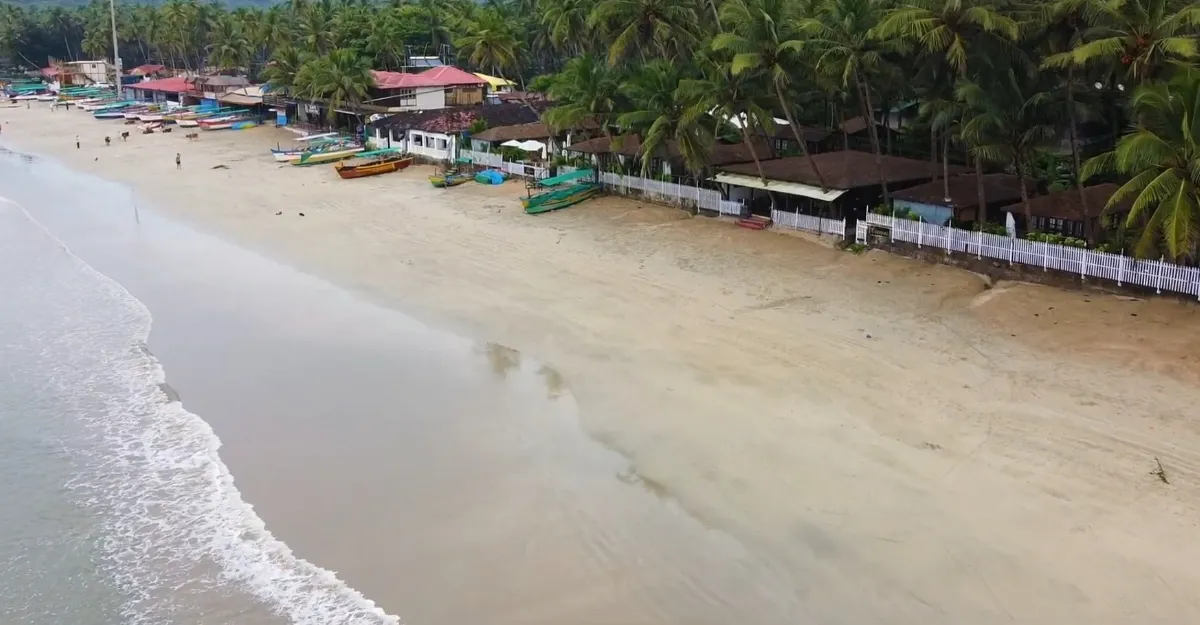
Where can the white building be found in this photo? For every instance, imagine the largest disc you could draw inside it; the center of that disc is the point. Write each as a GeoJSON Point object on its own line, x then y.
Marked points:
{"type": "Point", "coordinates": [95, 71]}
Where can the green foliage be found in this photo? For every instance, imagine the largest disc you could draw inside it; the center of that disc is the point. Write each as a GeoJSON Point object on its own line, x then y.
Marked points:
{"type": "Point", "coordinates": [1055, 239]}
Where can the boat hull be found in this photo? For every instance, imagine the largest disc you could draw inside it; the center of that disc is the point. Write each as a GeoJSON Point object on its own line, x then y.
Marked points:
{"type": "Point", "coordinates": [348, 172]}
{"type": "Point", "coordinates": [559, 198]}
{"type": "Point", "coordinates": [319, 158]}
{"type": "Point", "coordinates": [452, 180]}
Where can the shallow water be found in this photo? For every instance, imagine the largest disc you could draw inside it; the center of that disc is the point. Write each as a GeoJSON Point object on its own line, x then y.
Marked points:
{"type": "Point", "coordinates": [442, 477]}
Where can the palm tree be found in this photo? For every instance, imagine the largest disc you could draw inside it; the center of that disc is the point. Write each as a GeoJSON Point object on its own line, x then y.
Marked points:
{"type": "Point", "coordinates": [646, 27]}
{"type": "Point", "coordinates": [663, 115]}
{"type": "Point", "coordinates": [340, 79]}
{"type": "Point", "coordinates": [1061, 25]}
{"type": "Point", "coordinates": [566, 23]}
{"type": "Point", "coordinates": [737, 100]}
{"type": "Point", "coordinates": [946, 28]}
{"type": "Point", "coordinates": [839, 34]}
{"type": "Point", "coordinates": [1009, 114]}
{"type": "Point", "coordinates": [1145, 36]}
{"type": "Point", "coordinates": [280, 72]}
{"type": "Point", "coordinates": [491, 44]}
{"type": "Point", "coordinates": [1161, 157]}
{"type": "Point", "coordinates": [230, 47]}
{"type": "Point", "coordinates": [760, 37]}
{"type": "Point", "coordinates": [586, 94]}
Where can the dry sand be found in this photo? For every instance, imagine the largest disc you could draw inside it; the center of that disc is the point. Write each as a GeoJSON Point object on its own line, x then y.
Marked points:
{"type": "Point", "coordinates": [944, 451]}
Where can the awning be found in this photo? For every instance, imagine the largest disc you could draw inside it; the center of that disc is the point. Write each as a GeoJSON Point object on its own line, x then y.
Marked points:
{"type": "Point", "coordinates": [528, 146]}
{"type": "Point", "coordinates": [790, 188]}
{"type": "Point", "coordinates": [241, 100]}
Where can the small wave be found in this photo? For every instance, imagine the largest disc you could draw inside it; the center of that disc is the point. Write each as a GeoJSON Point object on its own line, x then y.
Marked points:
{"type": "Point", "coordinates": [177, 528]}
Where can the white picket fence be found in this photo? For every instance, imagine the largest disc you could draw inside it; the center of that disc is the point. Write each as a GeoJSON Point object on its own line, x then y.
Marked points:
{"type": "Point", "coordinates": [799, 221]}
{"type": "Point", "coordinates": [653, 190]}
{"type": "Point", "coordinates": [1155, 274]}
{"type": "Point", "coordinates": [670, 193]}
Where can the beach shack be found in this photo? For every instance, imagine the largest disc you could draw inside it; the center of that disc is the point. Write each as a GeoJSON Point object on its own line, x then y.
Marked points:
{"type": "Point", "coordinates": [1061, 212]}
{"type": "Point", "coordinates": [522, 136]}
{"type": "Point", "coordinates": [436, 134]}
{"type": "Point", "coordinates": [161, 90]}
{"type": "Point", "coordinates": [849, 182]}
{"type": "Point", "coordinates": [206, 90]}
{"type": "Point", "coordinates": [931, 202]}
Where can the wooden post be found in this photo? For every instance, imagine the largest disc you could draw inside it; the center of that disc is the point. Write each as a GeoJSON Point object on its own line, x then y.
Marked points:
{"type": "Point", "coordinates": [1161, 268]}
{"type": "Point", "coordinates": [1083, 266]}
{"type": "Point", "coordinates": [1121, 269]}
{"type": "Point", "coordinates": [920, 231]}
{"type": "Point", "coordinates": [1045, 256]}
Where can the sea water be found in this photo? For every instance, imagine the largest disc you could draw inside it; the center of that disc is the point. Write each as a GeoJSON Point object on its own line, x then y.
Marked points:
{"type": "Point", "coordinates": [114, 504]}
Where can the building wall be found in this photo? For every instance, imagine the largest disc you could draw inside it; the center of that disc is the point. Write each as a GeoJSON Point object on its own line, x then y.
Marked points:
{"type": "Point", "coordinates": [430, 99]}
{"type": "Point", "coordinates": [431, 145]}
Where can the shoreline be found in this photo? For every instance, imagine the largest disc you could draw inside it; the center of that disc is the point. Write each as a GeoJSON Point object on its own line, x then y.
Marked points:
{"type": "Point", "coordinates": [871, 413]}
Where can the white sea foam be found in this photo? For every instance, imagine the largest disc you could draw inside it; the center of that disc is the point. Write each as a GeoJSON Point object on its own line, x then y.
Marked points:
{"type": "Point", "coordinates": [177, 530]}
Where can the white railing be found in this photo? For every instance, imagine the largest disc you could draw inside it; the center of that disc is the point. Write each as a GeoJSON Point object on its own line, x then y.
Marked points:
{"type": "Point", "coordinates": [670, 193]}
{"type": "Point", "coordinates": [799, 221]}
{"type": "Point", "coordinates": [485, 159]}
{"type": "Point", "coordinates": [435, 153]}
{"type": "Point", "coordinates": [1155, 274]}
{"type": "Point", "coordinates": [496, 161]}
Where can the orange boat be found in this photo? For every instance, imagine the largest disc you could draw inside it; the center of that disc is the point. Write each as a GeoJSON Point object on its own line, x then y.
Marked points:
{"type": "Point", "coordinates": [373, 164]}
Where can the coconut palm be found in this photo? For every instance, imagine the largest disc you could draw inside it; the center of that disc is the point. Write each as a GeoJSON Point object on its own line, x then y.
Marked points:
{"type": "Point", "coordinates": [647, 28]}
{"type": "Point", "coordinates": [734, 99]}
{"type": "Point", "coordinates": [1009, 113]}
{"type": "Point", "coordinates": [760, 36]}
{"type": "Point", "coordinates": [586, 94]}
{"type": "Point", "coordinates": [491, 44]}
{"type": "Point", "coordinates": [1161, 158]}
{"type": "Point", "coordinates": [339, 79]}
{"type": "Point", "coordinates": [230, 48]}
{"type": "Point", "coordinates": [839, 34]}
{"type": "Point", "coordinates": [566, 23]}
{"type": "Point", "coordinates": [1145, 37]}
{"type": "Point", "coordinates": [664, 114]}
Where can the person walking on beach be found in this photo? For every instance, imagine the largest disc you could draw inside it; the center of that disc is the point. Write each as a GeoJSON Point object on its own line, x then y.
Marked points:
{"type": "Point", "coordinates": [107, 141]}
{"type": "Point", "coordinates": [178, 161]}
{"type": "Point", "coordinates": [76, 142]}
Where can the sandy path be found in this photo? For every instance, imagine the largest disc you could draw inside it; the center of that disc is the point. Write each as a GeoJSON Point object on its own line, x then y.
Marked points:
{"type": "Point", "coordinates": [942, 452]}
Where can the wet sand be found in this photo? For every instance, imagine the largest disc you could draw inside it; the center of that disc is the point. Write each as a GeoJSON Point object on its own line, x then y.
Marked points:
{"type": "Point", "coordinates": [891, 441]}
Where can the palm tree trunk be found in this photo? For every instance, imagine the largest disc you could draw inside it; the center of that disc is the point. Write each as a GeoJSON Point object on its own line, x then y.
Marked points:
{"type": "Point", "coordinates": [750, 146]}
{"type": "Point", "coordinates": [933, 150]}
{"type": "Point", "coordinates": [864, 92]}
{"type": "Point", "coordinates": [946, 166]}
{"type": "Point", "coordinates": [787, 112]}
{"type": "Point", "coordinates": [982, 215]}
{"type": "Point", "coordinates": [1088, 234]}
{"type": "Point", "coordinates": [1020, 165]}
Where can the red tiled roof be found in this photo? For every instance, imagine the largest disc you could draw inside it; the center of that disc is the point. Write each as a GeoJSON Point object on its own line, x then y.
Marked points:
{"type": "Point", "coordinates": [177, 84]}
{"type": "Point", "coordinates": [147, 69]}
{"type": "Point", "coordinates": [450, 76]}
{"type": "Point", "coordinates": [401, 80]}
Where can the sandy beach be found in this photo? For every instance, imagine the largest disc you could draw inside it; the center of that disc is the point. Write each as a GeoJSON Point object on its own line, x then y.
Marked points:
{"type": "Point", "coordinates": [907, 442]}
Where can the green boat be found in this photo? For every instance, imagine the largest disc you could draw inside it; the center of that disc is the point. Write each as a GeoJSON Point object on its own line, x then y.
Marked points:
{"type": "Point", "coordinates": [565, 190]}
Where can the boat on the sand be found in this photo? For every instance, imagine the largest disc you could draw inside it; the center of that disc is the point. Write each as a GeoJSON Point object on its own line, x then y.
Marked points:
{"type": "Point", "coordinates": [564, 190]}
{"type": "Point", "coordinates": [373, 163]}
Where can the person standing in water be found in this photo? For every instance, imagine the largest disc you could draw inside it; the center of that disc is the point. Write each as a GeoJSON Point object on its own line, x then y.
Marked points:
{"type": "Point", "coordinates": [178, 161]}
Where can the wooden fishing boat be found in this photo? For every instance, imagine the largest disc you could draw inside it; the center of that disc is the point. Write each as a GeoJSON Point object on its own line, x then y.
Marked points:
{"type": "Point", "coordinates": [450, 179]}
{"type": "Point", "coordinates": [560, 198]}
{"type": "Point", "coordinates": [373, 163]}
{"type": "Point", "coordinates": [330, 156]}
{"type": "Point", "coordinates": [187, 123]}
{"type": "Point", "coordinates": [564, 190]}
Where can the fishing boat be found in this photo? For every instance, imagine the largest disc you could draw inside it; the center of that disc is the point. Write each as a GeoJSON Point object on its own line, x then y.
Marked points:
{"type": "Point", "coordinates": [373, 163]}
{"type": "Point", "coordinates": [322, 144]}
{"type": "Point", "coordinates": [564, 190]}
{"type": "Point", "coordinates": [187, 123]}
{"type": "Point", "coordinates": [329, 156]}
{"type": "Point", "coordinates": [450, 179]}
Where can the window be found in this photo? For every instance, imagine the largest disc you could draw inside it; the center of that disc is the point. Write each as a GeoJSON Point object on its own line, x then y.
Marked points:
{"type": "Point", "coordinates": [441, 144]}
{"type": "Point", "coordinates": [1056, 225]}
{"type": "Point", "coordinates": [416, 140]}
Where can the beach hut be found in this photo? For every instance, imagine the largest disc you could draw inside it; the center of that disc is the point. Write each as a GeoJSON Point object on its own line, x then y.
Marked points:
{"type": "Point", "coordinates": [931, 203]}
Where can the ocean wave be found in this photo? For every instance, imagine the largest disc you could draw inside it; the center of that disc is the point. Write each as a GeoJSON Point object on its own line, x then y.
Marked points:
{"type": "Point", "coordinates": [177, 531]}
